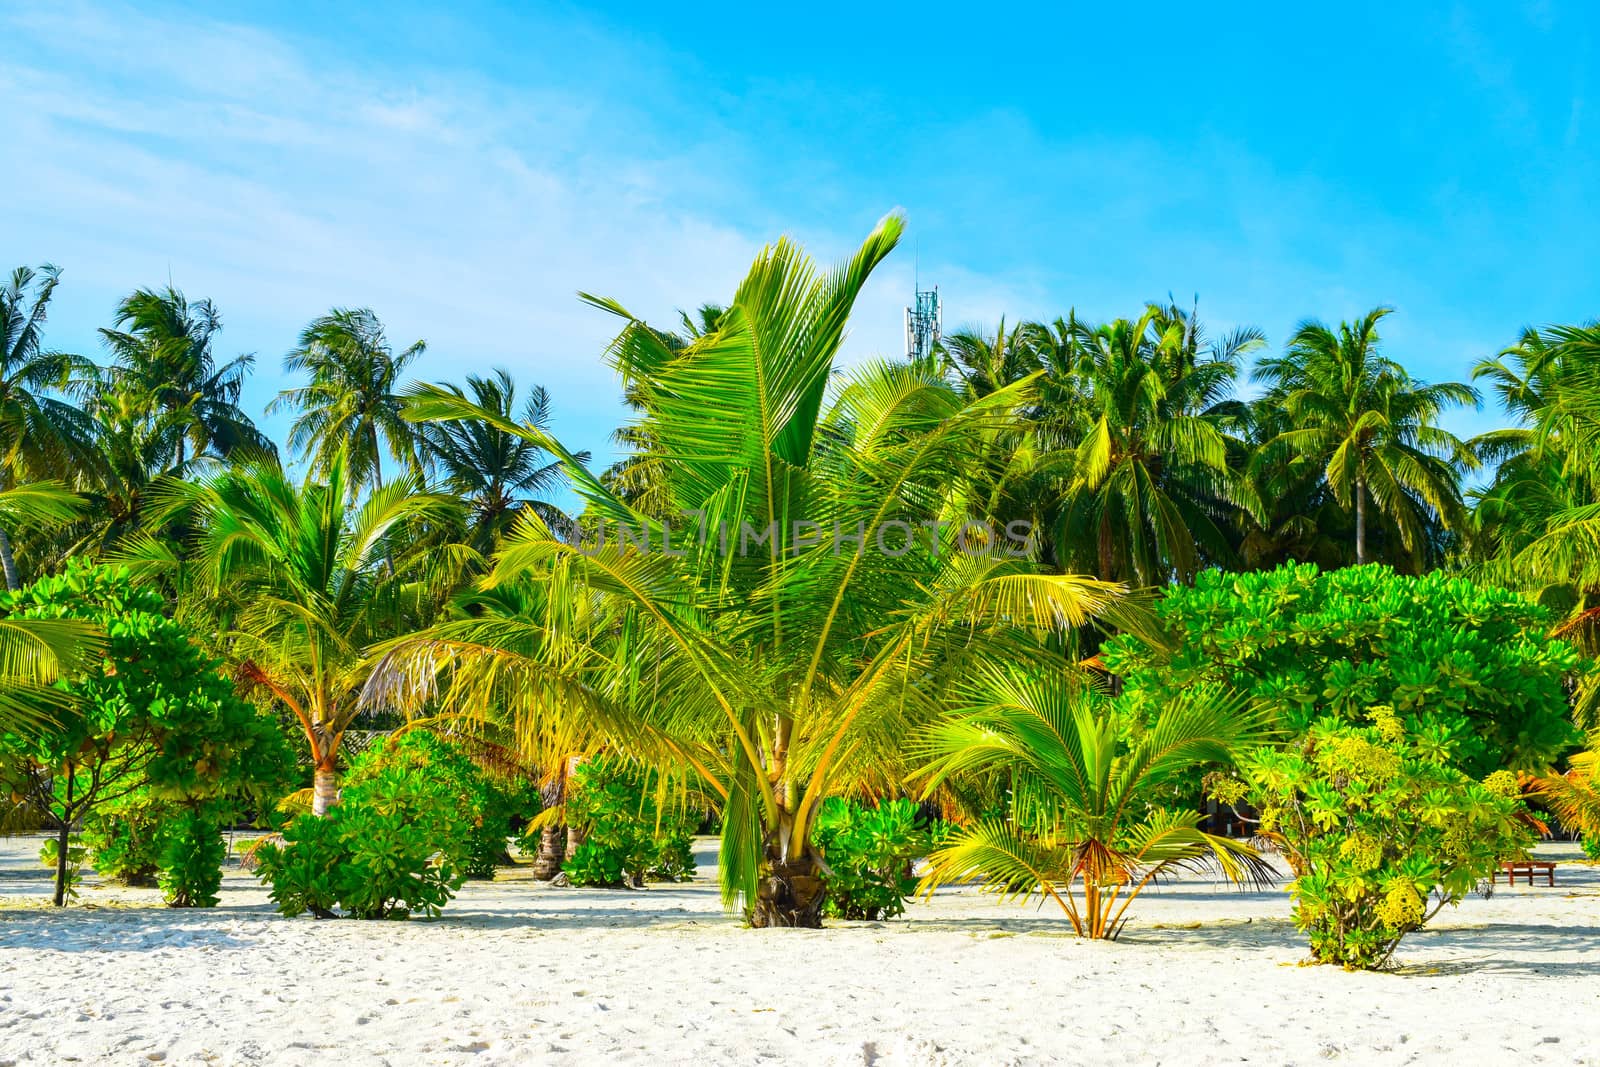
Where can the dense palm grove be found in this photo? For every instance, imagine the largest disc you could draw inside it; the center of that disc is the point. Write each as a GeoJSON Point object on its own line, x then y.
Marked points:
{"type": "Point", "coordinates": [402, 558]}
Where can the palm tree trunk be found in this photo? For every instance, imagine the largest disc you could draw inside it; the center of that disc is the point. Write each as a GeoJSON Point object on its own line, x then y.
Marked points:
{"type": "Point", "coordinates": [552, 851]}
{"type": "Point", "coordinates": [324, 791]}
{"type": "Point", "coordinates": [1361, 522]}
{"type": "Point", "coordinates": [8, 561]}
{"type": "Point", "coordinates": [791, 892]}
{"type": "Point", "coordinates": [552, 839]}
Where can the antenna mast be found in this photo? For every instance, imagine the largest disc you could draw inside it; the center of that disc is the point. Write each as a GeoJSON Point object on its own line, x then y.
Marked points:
{"type": "Point", "coordinates": [924, 323]}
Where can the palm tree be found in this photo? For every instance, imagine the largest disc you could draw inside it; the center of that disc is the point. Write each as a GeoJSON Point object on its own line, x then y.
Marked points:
{"type": "Point", "coordinates": [1537, 524]}
{"type": "Point", "coordinates": [496, 472]}
{"type": "Point", "coordinates": [1371, 427]}
{"type": "Point", "coordinates": [1150, 476]}
{"type": "Point", "coordinates": [983, 363]}
{"type": "Point", "coordinates": [302, 582]}
{"type": "Point", "coordinates": [35, 652]}
{"type": "Point", "coordinates": [751, 644]}
{"type": "Point", "coordinates": [41, 436]}
{"type": "Point", "coordinates": [350, 410]}
{"type": "Point", "coordinates": [162, 351]}
{"type": "Point", "coordinates": [1087, 827]}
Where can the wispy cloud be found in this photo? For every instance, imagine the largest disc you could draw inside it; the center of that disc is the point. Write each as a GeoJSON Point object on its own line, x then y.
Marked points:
{"type": "Point", "coordinates": [225, 158]}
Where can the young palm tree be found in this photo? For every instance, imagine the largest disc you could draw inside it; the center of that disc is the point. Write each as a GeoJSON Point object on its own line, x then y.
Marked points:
{"type": "Point", "coordinates": [1371, 427]}
{"type": "Point", "coordinates": [495, 472]}
{"type": "Point", "coordinates": [302, 582]}
{"type": "Point", "coordinates": [162, 351]}
{"type": "Point", "coordinates": [1087, 826]}
{"type": "Point", "coordinates": [779, 662]}
{"type": "Point", "coordinates": [350, 410]}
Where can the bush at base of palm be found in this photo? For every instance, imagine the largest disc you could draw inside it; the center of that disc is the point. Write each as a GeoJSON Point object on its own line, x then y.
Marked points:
{"type": "Point", "coordinates": [628, 834]}
{"type": "Point", "coordinates": [869, 852]}
{"type": "Point", "coordinates": [443, 760]}
{"type": "Point", "coordinates": [395, 845]}
{"type": "Point", "coordinates": [1380, 832]}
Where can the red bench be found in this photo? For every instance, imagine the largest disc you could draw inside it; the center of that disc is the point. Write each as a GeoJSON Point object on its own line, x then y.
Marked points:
{"type": "Point", "coordinates": [1526, 868]}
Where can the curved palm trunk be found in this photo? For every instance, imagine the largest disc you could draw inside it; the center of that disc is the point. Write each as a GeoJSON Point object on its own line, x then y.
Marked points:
{"type": "Point", "coordinates": [8, 562]}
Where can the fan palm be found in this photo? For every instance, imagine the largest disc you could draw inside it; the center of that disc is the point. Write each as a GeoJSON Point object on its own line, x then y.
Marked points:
{"type": "Point", "coordinates": [302, 582]}
{"type": "Point", "coordinates": [1371, 428]}
{"type": "Point", "coordinates": [497, 473]}
{"type": "Point", "coordinates": [350, 410]}
{"type": "Point", "coordinates": [1087, 827]}
{"type": "Point", "coordinates": [781, 645]}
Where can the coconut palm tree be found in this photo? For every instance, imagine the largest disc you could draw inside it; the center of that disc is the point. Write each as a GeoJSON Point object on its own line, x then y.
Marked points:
{"type": "Point", "coordinates": [803, 614]}
{"type": "Point", "coordinates": [1150, 475]}
{"type": "Point", "coordinates": [1537, 524]}
{"type": "Point", "coordinates": [495, 472]}
{"type": "Point", "coordinates": [350, 410]}
{"type": "Point", "coordinates": [161, 349]}
{"type": "Point", "coordinates": [1087, 826]}
{"type": "Point", "coordinates": [1371, 427]}
{"type": "Point", "coordinates": [302, 582]}
{"type": "Point", "coordinates": [41, 436]}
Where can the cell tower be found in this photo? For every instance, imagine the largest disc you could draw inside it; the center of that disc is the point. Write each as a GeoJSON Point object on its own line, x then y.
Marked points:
{"type": "Point", "coordinates": [924, 323]}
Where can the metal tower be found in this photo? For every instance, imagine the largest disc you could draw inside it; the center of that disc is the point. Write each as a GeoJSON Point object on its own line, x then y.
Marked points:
{"type": "Point", "coordinates": [924, 324]}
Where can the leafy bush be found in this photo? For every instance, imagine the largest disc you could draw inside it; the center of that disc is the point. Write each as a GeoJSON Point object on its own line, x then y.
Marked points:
{"type": "Point", "coordinates": [154, 716]}
{"type": "Point", "coordinates": [191, 859]}
{"type": "Point", "coordinates": [397, 843]}
{"type": "Point", "coordinates": [486, 805]}
{"type": "Point", "coordinates": [1380, 831]}
{"type": "Point", "coordinates": [124, 840]}
{"type": "Point", "coordinates": [144, 840]}
{"type": "Point", "coordinates": [628, 833]}
{"type": "Point", "coordinates": [1469, 670]}
{"type": "Point", "coordinates": [870, 851]}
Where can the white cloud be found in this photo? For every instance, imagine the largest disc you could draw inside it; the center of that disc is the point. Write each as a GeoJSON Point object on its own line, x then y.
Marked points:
{"type": "Point", "coordinates": [468, 215]}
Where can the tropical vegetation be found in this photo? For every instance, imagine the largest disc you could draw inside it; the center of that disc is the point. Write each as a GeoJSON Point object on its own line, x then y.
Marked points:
{"type": "Point", "coordinates": [1037, 608]}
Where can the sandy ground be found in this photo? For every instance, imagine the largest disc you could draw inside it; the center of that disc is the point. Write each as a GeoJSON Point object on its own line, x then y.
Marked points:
{"type": "Point", "coordinates": [519, 972]}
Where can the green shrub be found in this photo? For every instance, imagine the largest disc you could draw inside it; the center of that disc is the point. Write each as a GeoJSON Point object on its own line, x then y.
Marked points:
{"type": "Point", "coordinates": [628, 834]}
{"type": "Point", "coordinates": [124, 840]}
{"type": "Point", "coordinates": [155, 717]}
{"type": "Point", "coordinates": [191, 858]}
{"type": "Point", "coordinates": [1380, 832]}
{"type": "Point", "coordinates": [396, 844]}
{"type": "Point", "coordinates": [1470, 670]}
{"type": "Point", "coordinates": [870, 851]}
{"type": "Point", "coordinates": [485, 805]}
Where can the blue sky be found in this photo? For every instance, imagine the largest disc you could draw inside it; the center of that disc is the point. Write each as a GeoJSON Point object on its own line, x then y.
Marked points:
{"type": "Point", "coordinates": [464, 173]}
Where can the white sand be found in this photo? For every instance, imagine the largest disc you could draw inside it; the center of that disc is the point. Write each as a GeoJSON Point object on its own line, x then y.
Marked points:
{"type": "Point", "coordinates": [518, 972]}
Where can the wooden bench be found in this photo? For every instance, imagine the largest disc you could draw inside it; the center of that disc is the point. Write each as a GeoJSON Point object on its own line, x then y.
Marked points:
{"type": "Point", "coordinates": [1526, 868]}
